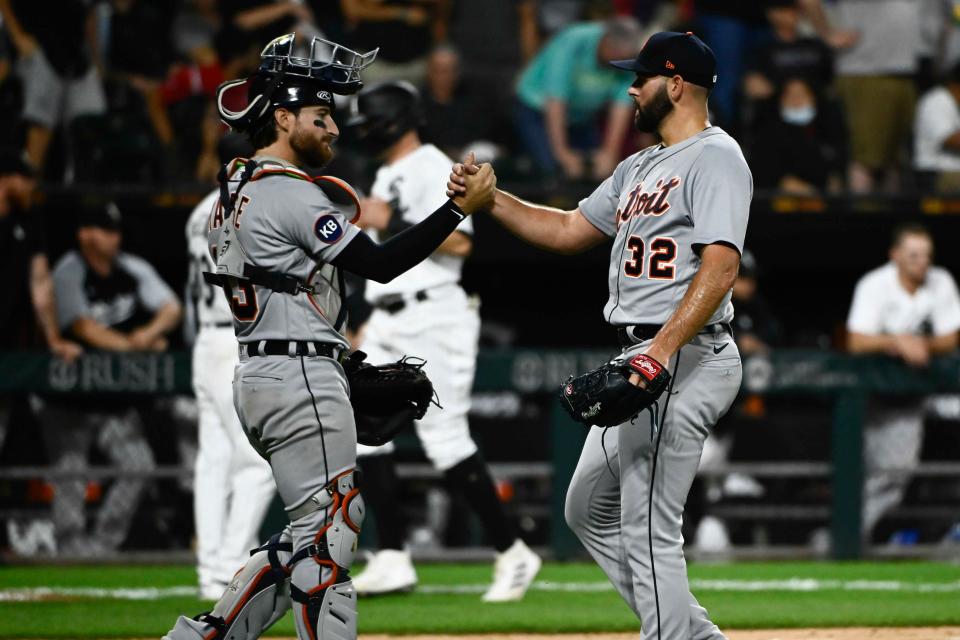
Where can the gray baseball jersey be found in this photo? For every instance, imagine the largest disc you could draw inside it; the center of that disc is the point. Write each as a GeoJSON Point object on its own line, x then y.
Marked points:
{"type": "Point", "coordinates": [660, 205]}
{"type": "Point", "coordinates": [285, 223]}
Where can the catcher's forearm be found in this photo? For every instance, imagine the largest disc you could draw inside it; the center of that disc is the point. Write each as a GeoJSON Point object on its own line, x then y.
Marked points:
{"type": "Point", "coordinates": [384, 262]}
{"type": "Point", "coordinates": [717, 273]}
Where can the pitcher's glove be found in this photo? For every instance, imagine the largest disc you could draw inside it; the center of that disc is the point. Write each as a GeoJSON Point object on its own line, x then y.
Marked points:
{"type": "Point", "coordinates": [386, 398]}
{"type": "Point", "coordinates": [606, 398]}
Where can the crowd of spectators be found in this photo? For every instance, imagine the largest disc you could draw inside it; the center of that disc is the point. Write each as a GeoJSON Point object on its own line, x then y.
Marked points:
{"type": "Point", "coordinates": [824, 97]}
{"type": "Point", "coordinates": [120, 91]}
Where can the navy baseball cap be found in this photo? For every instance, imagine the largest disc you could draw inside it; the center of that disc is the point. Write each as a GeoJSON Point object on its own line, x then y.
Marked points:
{"type": "Point", "coordinates": [671, 53]}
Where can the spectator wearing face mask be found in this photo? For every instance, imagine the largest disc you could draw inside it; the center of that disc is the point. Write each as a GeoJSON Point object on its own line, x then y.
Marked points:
{"type": "Point", "coordinates": [799, 143]}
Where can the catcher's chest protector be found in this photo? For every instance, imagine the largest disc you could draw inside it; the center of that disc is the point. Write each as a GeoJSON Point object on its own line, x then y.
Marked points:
{"type": "Point", "coordinates": [277, 228]}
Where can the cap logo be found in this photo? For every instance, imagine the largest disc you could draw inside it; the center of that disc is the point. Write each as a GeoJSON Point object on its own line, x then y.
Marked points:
{"type": "Point", "coordinates": [325, 95]}
{"type": "Point", "coordinates": [670, 65]}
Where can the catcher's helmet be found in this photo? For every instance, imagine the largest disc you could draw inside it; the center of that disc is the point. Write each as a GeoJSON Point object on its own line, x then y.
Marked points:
{"type": "Point", "coordinates": [287, 80]}
{"type": "Point", "coordinates": [384, 112]}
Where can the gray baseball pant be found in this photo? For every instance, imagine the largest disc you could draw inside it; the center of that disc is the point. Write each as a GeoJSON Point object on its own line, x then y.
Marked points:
{"type": "Point", "coordinates": [626, 498]}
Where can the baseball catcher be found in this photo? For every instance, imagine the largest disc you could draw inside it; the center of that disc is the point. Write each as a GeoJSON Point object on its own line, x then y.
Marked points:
{"type": "Point", "coordinates": [282, 240]}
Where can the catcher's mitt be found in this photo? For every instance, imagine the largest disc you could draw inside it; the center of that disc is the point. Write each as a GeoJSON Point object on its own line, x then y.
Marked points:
{"type": "Point", "coordinates": [387, 397]}
{"type": "Point", "coordinates": [606, 398]}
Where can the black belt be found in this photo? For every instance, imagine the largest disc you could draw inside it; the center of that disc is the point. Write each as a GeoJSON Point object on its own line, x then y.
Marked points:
{"type": "Point", "coordinates": [226, 324]}
{"type": "Point", "coordinates": [290, 348]}
{"type": "Point", "coordinates": [639, 332]}
{"type": "Point", "coordinates": [395, 302]}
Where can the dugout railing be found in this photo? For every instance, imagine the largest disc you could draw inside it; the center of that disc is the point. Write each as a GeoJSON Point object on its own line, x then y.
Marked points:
{"type": "Point", "coordinates": [846, 381]}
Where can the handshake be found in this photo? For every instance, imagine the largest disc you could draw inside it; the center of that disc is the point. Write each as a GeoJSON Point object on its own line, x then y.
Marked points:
{"type": "Point", "coordinates": [472, 187]}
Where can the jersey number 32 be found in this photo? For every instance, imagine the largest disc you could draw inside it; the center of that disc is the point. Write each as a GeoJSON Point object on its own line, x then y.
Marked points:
{"type": "Point", "coordinates": [663, 253]}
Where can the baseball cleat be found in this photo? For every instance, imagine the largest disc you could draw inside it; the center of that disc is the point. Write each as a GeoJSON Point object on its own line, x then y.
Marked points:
{"type": "Point", "coordinates": [388, 571]}
{"type": "Point", "coordinates": [513, 573]}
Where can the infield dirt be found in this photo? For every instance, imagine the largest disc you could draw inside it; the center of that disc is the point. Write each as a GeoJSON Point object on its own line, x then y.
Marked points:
{"type": "Point", "coordinates": [844, 633]}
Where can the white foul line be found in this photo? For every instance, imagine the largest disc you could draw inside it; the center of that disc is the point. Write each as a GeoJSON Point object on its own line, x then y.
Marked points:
{"type": "Point", "coordinates": [790, 584]}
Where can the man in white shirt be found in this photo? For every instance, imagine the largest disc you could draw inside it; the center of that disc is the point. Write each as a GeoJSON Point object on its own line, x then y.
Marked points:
{"type": "Point", "coordinates": [910, 310]}
{"type": "Point", "coordinates": [424, 313]}
{"type": "Point", "coordinates": [937, 135]}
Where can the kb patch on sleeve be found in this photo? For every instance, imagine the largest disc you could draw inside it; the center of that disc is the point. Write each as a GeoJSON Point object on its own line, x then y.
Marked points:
{"type": "Point", "coordinates": [328, 229]}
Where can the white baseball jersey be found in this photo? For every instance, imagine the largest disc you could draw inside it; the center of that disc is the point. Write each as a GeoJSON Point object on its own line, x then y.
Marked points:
{"type": "Point", "coordinates": [212, 305]}
{"type": "Point", "coordinates": [882, 306]}
{"type": "Point", "coordinates": [415, 186]}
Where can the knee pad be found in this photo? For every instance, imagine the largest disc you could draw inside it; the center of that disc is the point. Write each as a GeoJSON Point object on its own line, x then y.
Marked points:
{"type": "Point", "coordinates": [258, 596]}
{"type": "Point", "coordinates": [321, 582]}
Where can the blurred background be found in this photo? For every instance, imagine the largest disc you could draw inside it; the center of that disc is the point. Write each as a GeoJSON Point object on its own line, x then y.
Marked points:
{"type": "Point", "coordinates": [848, 112]}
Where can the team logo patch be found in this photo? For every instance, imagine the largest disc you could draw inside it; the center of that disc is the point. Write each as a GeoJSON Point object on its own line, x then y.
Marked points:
{"type": "Point", "coordinates": [328, 229]}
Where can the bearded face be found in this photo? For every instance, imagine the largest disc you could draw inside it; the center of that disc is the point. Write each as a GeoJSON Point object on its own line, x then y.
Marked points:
{"type": "Point", "coordinates": [312, 142]}
{"type": "Point", "coordinates": [649, 116]}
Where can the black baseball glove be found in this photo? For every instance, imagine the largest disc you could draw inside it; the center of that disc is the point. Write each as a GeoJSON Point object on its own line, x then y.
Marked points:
{"type": "Point", "coordinates": [606, 398]}
{"type": "Point", "coordinates": [386, 398]}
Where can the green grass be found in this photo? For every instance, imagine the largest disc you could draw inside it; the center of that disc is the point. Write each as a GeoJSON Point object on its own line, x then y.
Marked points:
{"type": "Point", "coordinates": [541, 611]}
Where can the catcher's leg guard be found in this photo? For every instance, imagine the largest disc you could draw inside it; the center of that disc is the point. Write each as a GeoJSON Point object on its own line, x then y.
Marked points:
{"type": "Point", "coordinates": [326, 602]}
{"type": "Point", "coordinates": [258, 596]}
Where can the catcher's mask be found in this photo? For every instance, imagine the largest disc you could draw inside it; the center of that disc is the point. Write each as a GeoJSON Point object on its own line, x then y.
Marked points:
{"type": "Point", "coordinates": [383, 112]}
{"type": "Point", "coordinates": [285, 79]}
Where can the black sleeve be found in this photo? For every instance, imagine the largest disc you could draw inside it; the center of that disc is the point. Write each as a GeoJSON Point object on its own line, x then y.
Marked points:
{"type": "Point", "coordinates": [384, 262]}
{"type": "Point", "coordinates": [398, 224]}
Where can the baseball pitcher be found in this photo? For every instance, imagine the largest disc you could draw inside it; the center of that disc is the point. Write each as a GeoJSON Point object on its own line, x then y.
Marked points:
{"type": "Point", "coordinates": [677, 215]}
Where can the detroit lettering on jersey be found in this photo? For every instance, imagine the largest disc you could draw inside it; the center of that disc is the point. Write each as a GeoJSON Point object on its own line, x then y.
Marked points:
{"type": "Point", "coordinates": [648, 203]}
{"type": "Point", "coordinates": [661, 206]}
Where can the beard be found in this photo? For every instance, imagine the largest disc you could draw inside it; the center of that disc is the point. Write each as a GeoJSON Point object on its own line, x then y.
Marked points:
{"type": "Point", "coordinates": [648, 118]}
{"type": "Point", "coordinates": [312, 152]}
